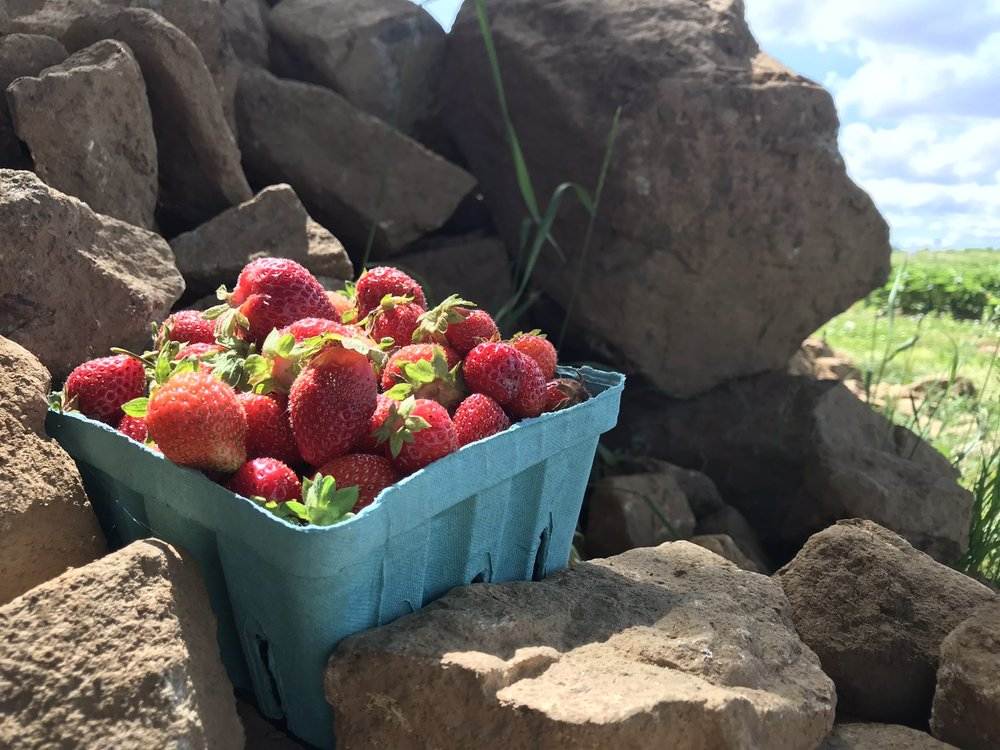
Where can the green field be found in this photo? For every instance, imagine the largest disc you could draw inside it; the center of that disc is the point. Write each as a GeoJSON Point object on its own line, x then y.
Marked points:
{"type": "Point", "coordinates": [939, 316]}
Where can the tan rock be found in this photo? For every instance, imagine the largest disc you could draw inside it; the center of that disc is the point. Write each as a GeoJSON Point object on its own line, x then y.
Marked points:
{"type": "Point", "coordinates": [966, 710]}
{"type": "Point", "coordinates": [273, 223]}
{"type": "Point", "coordinates": [665, 647]}
{"type": "Point", "coordinates": [734, 276]}
{"type": "Point", "coordinates": [880, 737]}
{"type": "Point", "coordinates": [730, 522]}
{"type": "Point", "coordinates": [636, 510]}
{"type": "Point", "coordinates": [46, 523]}
{"type": "Point", "coordinates": [724, 546]}
{"type": "Point", "coordinates": [350, 168]}
{"type": "Point", "coordinates": [875, 611]}
{"type": "Point", "coordinates": [21, 55]}
{"type": "Point", "coordinates": [121, 653]}
{"type": "Point", "coordinates": [79, 282]}
{"type": "Point", "coordinates": [90, 132]}
{"type": "Point", "coordinates": [816, 359]}
{"type": "Point", "coordinates": [199, 162]}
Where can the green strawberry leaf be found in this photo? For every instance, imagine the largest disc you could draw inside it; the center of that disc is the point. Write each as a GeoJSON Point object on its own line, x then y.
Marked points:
{"type": "Point", "coordinates": [419, 372]}
{"type": "Point", "coordinates": [137, 407]}
{"type": "Point", "coordinates": [399, 391]}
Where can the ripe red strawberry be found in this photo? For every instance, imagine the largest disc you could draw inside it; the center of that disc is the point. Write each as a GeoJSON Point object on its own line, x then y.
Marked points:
{"type": "Point", "coordinates": [378, 282]}
{"type": "Point", "coordinates": [540, 349]}
{"type": "Point", "coordinates": [269, 433]}
{"type": "Point", "coordinates": [419, 432]}
{"type": "Point", "coordinates": [188, 326]}
{"type": "Point", "coordinates": [371, 474]}
{"type": "Point", "coordinates": [476, 328]}
{"type": "Point", "coordinates": [99, 387]}
{"type": "Point", "coordinates": [395, 318]}
{"type": "Point", "coordinates": [367, 443]}
{"type": "Point", "coordinates": [196, 420]}
{"type": "Point", "coordinates": [331, 404]}
{"type": "Point", "coordinates": [563, 393]}
{"type": "Point", "coordinates": [134, 427]}
{"type": "Point", "coordinates": [478, 417]}
{"type": "Point", "coordinates": [494, 368]}
{"type": "Point", "coordinates": [393, 373]}
{"type": "Point", "coordinates": [425, 371]}
{"type": "Point", "coordinates": [309, 327]}
{"type": "Point", "coordinates": [274, 292]}
{"type": "Point", "coordinates": [268, 478]}
{"type": "Point", "coordinates": [529, 401]}
{"type": "Point", "coordinates": [198, 351]}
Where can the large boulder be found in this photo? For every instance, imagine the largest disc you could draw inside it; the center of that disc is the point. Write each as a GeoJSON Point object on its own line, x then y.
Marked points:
{"type": "Point", "coordinates": [861, 736]}
{"type": "Point", "coordinates": [119, 653]}
{"type": "Point", "coordinates": [46, 522]}
{"type": "Point", "coordinates": [350, 168]}
{"type": "Point", "coordinates": [107, 157]}
{"type": "Point", "coordinates": [664, 647]}
{"type": "Point", "coordinates": [76, 282]}
{"type": "Point", "coordinates": [724, 546]}
{"type": "Point", "coordinates": [246, 30]}
{"type": "Point", "coordinates": [875, 611]}
{"type": "Point", "coordinates": [966, 710]}
{"type": "Point", "coordinates": [385, 57]}
{"type": "Point", "coordinates": [273, 223]}
{"type": "Point", "coordinates": [199, 162]}
{"type": "Point", "coordinates": [731, 523]}
{"type": "Point", "coordinates": [728, 229]}
{"type": "Point", "coordinates": [21, 55]}
{"type": "Point", "coordinates": [794, 454]}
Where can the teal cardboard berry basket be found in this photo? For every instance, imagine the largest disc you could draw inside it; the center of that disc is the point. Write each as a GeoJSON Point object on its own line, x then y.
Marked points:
{"type": "Point", "coordinates": [502, 509]}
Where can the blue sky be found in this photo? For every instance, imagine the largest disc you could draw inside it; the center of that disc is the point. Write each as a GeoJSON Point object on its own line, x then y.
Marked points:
{"type": "Point", "coordinates": [917, 86]}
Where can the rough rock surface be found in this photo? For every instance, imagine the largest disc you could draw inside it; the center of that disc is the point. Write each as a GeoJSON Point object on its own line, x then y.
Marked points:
{"type": "Point", "coordinates": [862, 736]}
{"type": "Point", "coordinates": [246, 30]}
{"type": "Point", "coordinates": [107, 155]}
{"type": "Point", "coordinates": [875, 611]}
{"type": "Point", "coordinates": [636, 510]}
{"type": "Point", "coordinates": [794, 455]}
{"type": "Point", "coordinates": [730, 522]}
{"type": "Point", "coordinates": [665, 647]}
{"type": "Point", "coordinates": [199, 162]}
{"type": "Point", "coordinates": [80, 282]}
{"type": "Point", "coordinates": [46, 523]}
{"type": "Point", "coordinates": [350, 168]}
{"type": "Point", "coordinates": [724, 546]}
{"type": "Point", "coordinates": [475, 266]}
{"type": "Point", "coordinates": [273, 223]}
{"type": "Point", "coordinates": [119, 653]}
{"type": "Point", "coordinates": [966, 710]}
{"type": "Point", "coordinates": [730, 276]}
{"type": "Point", "coordinates": [21, 55]}
{"type": "Point", "coordinates": [385, 57]}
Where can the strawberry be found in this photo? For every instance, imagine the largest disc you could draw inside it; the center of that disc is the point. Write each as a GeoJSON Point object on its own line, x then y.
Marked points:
{"type": "Point", "coordinates": [494, 369]}
{"type": "Point", "coordinates": [478, 417]}
{"type": "Point", "coordinates": [272, 293]}
{"type": "Point", "coordinates": [395, 318]}
{"type": "Point", "coordinates": [331, 403]}
{"type": "Point", "coordinates": [529, 401]}
{"type": "Point", "coordinates": [371, 475]}
{"type": "Point", "coordinates": [368, 444]}
{"type": "Point", "coordinates": [475, 328]}
{"type": "Point", "coordinates": [393, 372]}
{"type": "Point", "coordinates": [134, 427]}
{"type": "Point", "coordinates": [375, 284]}
{"type": "Point", "coordinates": [418, 432]}
{"type": "Point", "coordinates": [268, 478]}
{"type": "Point", "coordinates": [426, 371]}
{"type": "Point", "coordinates": [269, 433]}
{"type": "Point", "coordinates": [343, 305]}
{"type": "Point", "coordinates": [453, 323]}
{"type": "Point", "coordinates": [563, 393]}
{"type": "Point", "coordinates": [196, 420]}
{"type": "Point", "coordinates": [99, 387]}
{"type": "Point", "coordinates": [187, 326]}
{"type": "Point", "coordinates": [540, 349]}
{"type": "Point", "coordinates": [309, 327]}
{"type": "Point", "coordinates": [198, 351]}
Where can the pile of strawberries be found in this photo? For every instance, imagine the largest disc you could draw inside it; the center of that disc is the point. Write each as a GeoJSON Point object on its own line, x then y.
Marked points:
{"type": "Point", "coordinates": [313, 402]}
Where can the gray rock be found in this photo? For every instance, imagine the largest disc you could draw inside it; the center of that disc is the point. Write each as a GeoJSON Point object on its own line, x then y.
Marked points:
{"type": "Point", "coordinates": [860, 736]}
{"type": "Point", "coordinates": [90, 132]}
{"type": "Point", "coordinates": [273, 223]}
{"type": "Point", "coordinates": [724, 546]}
{"type": "Point", "coordinates": [384, 56]}
{"type": "Point", "coordinates": [120, 653]}
{"type": "Point", "coordinates": [966, 709]}
{"type": "Point", "coordinates": [795, 454]}
{"type": "Point", "coordinates": [730, 522]}
{"type": "Point", "coordinates": [666, 647]}
{"type": "Point", "coordinates": [80, 282]}
{"type": "Point", "coordinates": [21, 55]}
{"type": "Point", "coordinates": [47, 523]}
{"type": "Point", "coordinates": [199, 162]}
{"type": "Point", "coordinates": [351, 169]}
{"type": "Point", "coordinates": [246, 29]}
{"type": "Point", "coordinates": [729, 276]}
{"type": "Point", "coordinates": [875, 611]}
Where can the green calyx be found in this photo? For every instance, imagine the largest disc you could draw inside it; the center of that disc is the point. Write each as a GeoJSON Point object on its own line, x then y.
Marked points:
{"type": "Point", "coordinates": [322, 504]}
{"type": "Point", "coordinates": [536, 332]}
{"type": "Point", "coordinates": [432, 325]}
{"type": "Point", "coordinates": [400, 426]}
{"type": "Point", "coordinates": [431, 379]}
